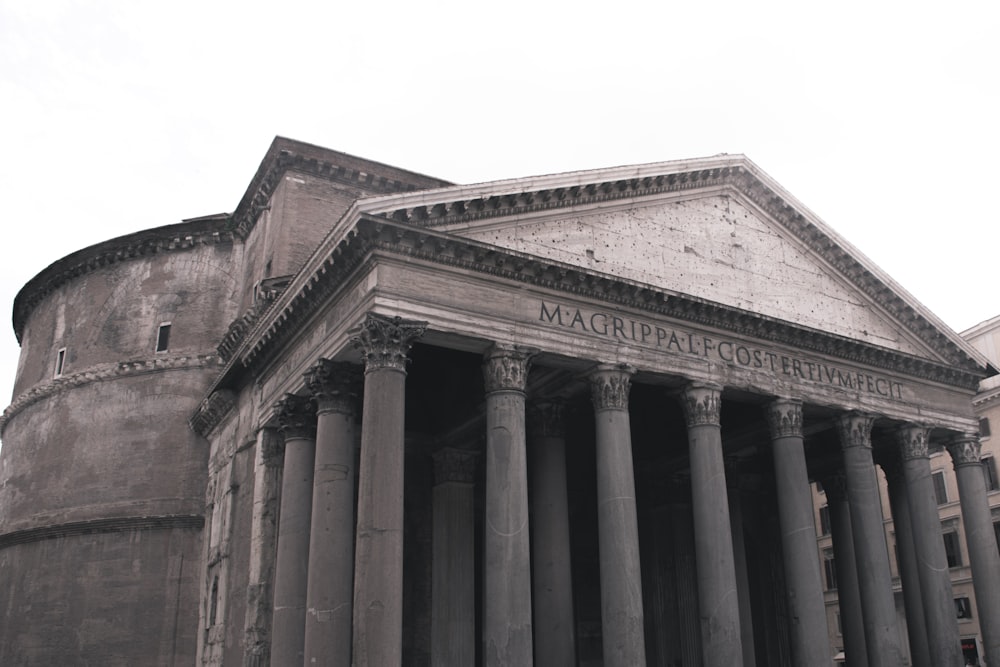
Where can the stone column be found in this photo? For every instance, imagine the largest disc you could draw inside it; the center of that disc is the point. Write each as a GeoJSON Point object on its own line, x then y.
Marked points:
{"type": "Point", "coordinates": [453, 575]}
{"type": "Point", "coordinates": [617, 525]}
{"type": "Point", "coordinates": [297, 423]}
{"type": "Point", "coordinates": [378, 562]}
{"type": "Point", "coordinates": [806, 609]}
{"type": "Point", "coordinates": [267, 466]}
{"type": "Point", "coordinates": [552, 582]}
{"type": "Point", "coordinates": [329, 598]}
{"type": "Point", "coordinates": [932, 563]}
{"type": "Point", "coordinates": [980, 538]}
{"type": "Point", "coordinates": [874, 576]}
{"type": "Point", "coordinates": [916, 627]}
{"type": "Point", "coordinates": [848, 594]}
{"type": "Point", "coordinates": [713, 543]}
{"type": "Point", "coordinates": [507, 637]}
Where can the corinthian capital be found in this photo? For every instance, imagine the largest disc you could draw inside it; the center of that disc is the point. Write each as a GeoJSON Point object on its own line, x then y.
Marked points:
{"type": "Point", "coordinates": [545, 419]}
{"type": "Point", "coordinates": [784, 417]}
{"type": "Point", "coordinates": [610, 385]}
{"type": "Point", "coordinates": [505, 368]}
{"type": "Point", "coordinates": [965, 450]}
{"type": "Point", "coordinates": [385, 341]}
{"type": "Point", "coordinates": [912, 442]}
{"type": "Point", "coordinates": [296, 416]}
{"type": "Point", "coordinates": [855, 430]}
{"type": "Point", "coordinates": [702, 403]}
{"type": "Point", "coordinates": [335, 384]}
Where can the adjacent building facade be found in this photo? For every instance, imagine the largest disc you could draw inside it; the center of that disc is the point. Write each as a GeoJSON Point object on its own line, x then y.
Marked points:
{"type": "Point", "coordinates": [374, 418]}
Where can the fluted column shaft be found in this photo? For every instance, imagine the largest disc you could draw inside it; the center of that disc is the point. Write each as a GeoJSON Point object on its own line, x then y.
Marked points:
{"type": "Point", "coordinates": [713, 541]}
{"type": "Point", "coordinates": [507, 637]}
{"type": "Point", "coordinates": [874, 577]}
{"type": "Point", "coordinates": [378, 562]}
{"type": "Point", "coordinates": [807, 612]}
{"type": "Point", "coordinates": [617, 524]}
{"type": "Point", "coordinates": [297, 423]}
{"type": "Point", "coordinates": [980, 538]}
{"type": "Point", "coordinates": [329, 600]}
{"type": "Point", "coordinates": [552, 581]}
{"type": "Point", "coordinates": [848, 592]}
{"type": "Point", "coordinates": [932, 563]}
{"type": "Point", "coordinates": [453, 569]}
{"type": "Point", "coordinates": [913, 603]}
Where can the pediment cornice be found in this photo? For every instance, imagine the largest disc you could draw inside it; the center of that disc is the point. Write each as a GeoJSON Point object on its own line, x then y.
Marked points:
{"type": "Point", "coordinates": [372, 235]}
{"type": "Point", "coordinates": [734, 173]}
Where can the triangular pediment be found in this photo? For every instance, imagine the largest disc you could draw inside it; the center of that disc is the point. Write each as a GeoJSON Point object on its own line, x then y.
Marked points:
{"type": "Point", "coordinates": [717, 229]}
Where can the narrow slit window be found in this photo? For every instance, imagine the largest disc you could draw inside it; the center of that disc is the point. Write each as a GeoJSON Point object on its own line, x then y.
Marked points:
{"type": "Point", "coordinates": [163, 337]}
{"type": "Point", "coordinates": [60, 361]}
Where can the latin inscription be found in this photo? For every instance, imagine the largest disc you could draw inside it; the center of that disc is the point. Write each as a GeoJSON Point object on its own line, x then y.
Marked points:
{"type": "Point", "coordinates": [730, 352]}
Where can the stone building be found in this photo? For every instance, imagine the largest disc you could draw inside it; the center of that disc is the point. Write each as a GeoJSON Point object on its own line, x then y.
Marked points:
{"type": "Point", "coordinates": [375, 418]}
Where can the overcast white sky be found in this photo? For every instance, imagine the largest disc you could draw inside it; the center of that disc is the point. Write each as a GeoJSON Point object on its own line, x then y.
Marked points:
{"type": "Point", "coordinates": [881, 117]}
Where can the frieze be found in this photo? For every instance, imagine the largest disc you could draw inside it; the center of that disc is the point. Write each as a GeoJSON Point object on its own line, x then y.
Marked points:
{"type": "Point", "coordinates": [505, 368]}
{"type": "Point", "coordinates": [672, 340]}
{"type": "Point", "coordinates": [784, 417]}
{"type": "Point", "coordinates": [610, 385]}
{"type": "Point", "coordinates": [385, 341]}
{"type": "Point", "coordinates": [965, 450]}
{"type": "Point", "coordinates": [702, 402]}
{"type": "Point", "coordinates": [855, 430]}
{"type": "Point", "coordinates": [317, 283]}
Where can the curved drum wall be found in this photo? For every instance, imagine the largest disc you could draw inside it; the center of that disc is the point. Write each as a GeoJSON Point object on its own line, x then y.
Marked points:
{"type": "Point", "coordinates": [102, 481]}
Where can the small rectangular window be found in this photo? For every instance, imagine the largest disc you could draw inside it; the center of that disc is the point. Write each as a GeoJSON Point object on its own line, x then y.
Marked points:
{"type": "Point", "coordinates": [951, 549]}
{"type": "Point", "coordinates": [984, 427]}
{"type": "Point", "coordinates": [940, 490]}
{"type": "Point", "coordinates": [60, 361]}
{"type": "Point", "coordinates": [163, 337]}
{"type": "Point", "coordinates": [963, 608]}
{"type": "Point", "coordinates": [990, 473]}
{"type": "Point", "coordinates": [830, 570]}
{"type": "Point", "coordinates": [824, 520]}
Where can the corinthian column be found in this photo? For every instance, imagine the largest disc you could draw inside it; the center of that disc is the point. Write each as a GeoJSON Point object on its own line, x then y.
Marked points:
{"type": "Point", "coordinates": [453, 568]}
{"type": "Point", "coordinates": [552, 581]}
{"type": "Point", "coordinates": [932, 563]}
{"type": "Point", "coordinates": [806, 609]}
{"type": "Point", "coordinates": [335, 387]}
{"type": "Point", "coordinates": [848, 593]}
{"type": "Point", "coordinates": [979, 535]}
{"type": "Point", "coordinates": [907, 556]}
{"type": "Point", "coordinates": [618, 528]}
{"type": "Point", "coordinates": [378, 563]}
{"type": "Point", "coordinates": [713, 540]}
{"type": "Point", "coordinates": [297, 423]}
{"type": "Point", "coordinates": [507, 585]}
{"type": "Point", "coordinates": [874, 576]}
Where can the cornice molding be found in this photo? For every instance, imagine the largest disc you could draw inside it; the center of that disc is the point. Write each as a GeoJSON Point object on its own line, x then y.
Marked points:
{"type": "Point", "coordinates": [258, 198]}
{"type": "Point", "coordinates": [112, 525]}
{"type": "Point", "coordinates": [212, 411]}
{"type": "Point", "coordinates": [374, 235]}
{"type": "Point", "coordinates": [172, 238]}
{"type": "Point", "coordinates": [105, 372]}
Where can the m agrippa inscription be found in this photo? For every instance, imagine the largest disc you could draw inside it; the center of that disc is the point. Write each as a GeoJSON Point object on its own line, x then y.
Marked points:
{"type": "Point", "coordinates": [730, 352]}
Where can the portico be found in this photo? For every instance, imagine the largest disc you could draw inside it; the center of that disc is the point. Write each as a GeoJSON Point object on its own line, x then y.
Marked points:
{"type": "Point", "coordinates": [562, 465]}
